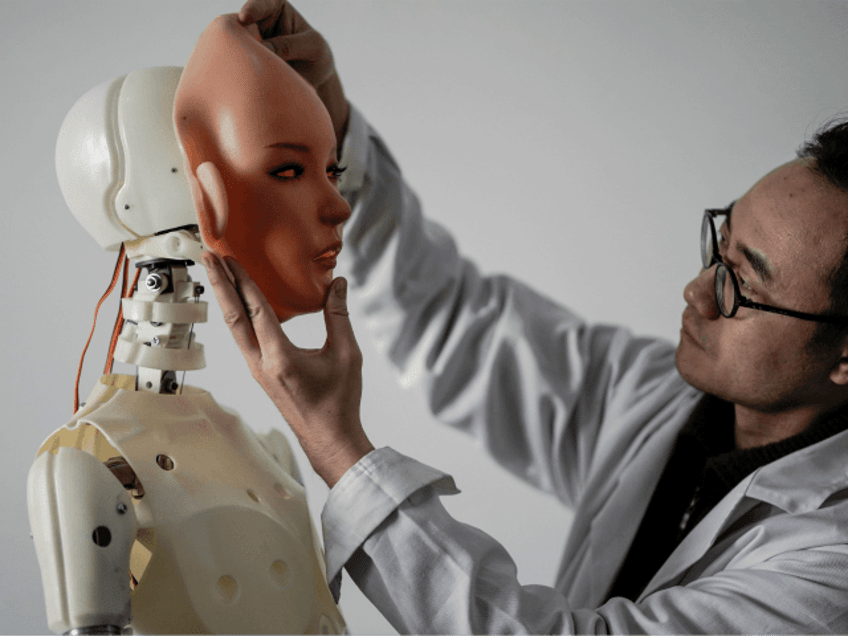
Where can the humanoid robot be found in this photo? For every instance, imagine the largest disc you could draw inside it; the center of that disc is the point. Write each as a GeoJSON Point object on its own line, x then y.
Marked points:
{"type": "Point", "coordinates": [154, 508]}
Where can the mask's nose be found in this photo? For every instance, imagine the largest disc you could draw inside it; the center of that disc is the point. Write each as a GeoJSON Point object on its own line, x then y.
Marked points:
{"type": "Point", "coordinates": [700, 294]}
{"type": "Point", "coordinates": [336, 209]}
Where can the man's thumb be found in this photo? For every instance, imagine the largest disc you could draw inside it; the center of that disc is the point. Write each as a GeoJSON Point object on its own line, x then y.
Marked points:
{"type": "Point", "coordinates": [336, 316]}
{"type": "Point", "coordinates": [337, 298]}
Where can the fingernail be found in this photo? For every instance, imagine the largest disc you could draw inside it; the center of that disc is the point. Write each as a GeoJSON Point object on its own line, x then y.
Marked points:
{"type": "Point", "coordinates": [341, 288]}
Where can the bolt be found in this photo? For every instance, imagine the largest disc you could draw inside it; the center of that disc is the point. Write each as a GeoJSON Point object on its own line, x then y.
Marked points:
{"type": "Point", "coordinates": [155, 341]}
{"type": "Point", "coordinates": [122, 508]}
{"type": "Point", "coordinates": [154, 282]}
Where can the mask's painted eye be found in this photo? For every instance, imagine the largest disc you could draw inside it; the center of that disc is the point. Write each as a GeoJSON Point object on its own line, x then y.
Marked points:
{"type": "Point", "coordinates": [335, 171]}
{"type": "Point", "coordinates": [288, 171]}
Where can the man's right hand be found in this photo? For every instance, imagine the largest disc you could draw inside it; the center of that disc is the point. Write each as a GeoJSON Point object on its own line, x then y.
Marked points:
{"type": "Point", "coordinates": [291, 37]}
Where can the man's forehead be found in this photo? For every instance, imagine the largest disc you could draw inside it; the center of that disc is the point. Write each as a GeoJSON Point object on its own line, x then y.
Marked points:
{"type": "Point", "coordinates": [792, 223]}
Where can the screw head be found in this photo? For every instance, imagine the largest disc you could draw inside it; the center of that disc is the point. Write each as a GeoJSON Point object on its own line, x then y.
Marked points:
{"type": "Point", "coordinates": [122, 508]}
{"type": "Point", "coordinates": [155, 341]}
{"type": "Point", "coordinates": [154, 282]}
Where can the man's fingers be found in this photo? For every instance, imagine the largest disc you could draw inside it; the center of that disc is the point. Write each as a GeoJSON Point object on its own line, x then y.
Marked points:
{"type": "Point", "coordinates": [257, 10]}
{"type": "Point", "coordinates": [307, 46]}
{"type": "Point", "coordinates": [232, 307]}
{"type": "Point", "coordinates": [266, 326]}
{"type": "Point", "coordinates": [340, 336]}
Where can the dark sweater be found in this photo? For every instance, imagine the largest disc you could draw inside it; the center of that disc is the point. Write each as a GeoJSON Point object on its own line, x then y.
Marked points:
{"type": "Point", "coordinates": [703, 467]}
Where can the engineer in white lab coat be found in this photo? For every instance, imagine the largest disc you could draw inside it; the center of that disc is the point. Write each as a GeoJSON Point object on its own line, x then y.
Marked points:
{"type": "Point", "coordinates": [709, 480]}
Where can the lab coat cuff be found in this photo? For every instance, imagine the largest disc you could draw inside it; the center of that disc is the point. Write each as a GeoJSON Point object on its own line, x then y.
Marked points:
{"type": "Point", "coordinates": [354, 155]}
{"type": "Point", "coordinates": [365, 496]}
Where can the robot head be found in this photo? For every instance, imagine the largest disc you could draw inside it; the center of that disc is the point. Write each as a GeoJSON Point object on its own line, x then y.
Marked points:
{"type": "Point", "coordinates": [260, 156]}
{"type": "Point", "coordinates": [118, 160]}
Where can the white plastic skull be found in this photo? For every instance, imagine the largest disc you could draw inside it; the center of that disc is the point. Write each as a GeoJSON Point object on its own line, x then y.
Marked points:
{"type": "Point", "coordinates": [118, 160]}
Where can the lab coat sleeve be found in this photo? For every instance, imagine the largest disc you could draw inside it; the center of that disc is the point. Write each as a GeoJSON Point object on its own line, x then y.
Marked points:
{"type": "Point", "coordinates": [428, 573]}
{"type": "Point", "coordinates": [522, 374]}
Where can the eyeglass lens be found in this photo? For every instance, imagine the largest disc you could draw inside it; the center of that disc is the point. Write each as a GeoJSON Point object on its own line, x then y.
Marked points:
{"type": "Point", "coordinates": [725, 291]}
{"type": "Point", "coordinates": [725, 285]}
{"type": "Point", "coordinates": [707, 241]}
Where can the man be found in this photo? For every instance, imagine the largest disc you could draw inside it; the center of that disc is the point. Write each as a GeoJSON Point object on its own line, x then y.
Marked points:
{"type": "Point", "coordinates": [708, 482]}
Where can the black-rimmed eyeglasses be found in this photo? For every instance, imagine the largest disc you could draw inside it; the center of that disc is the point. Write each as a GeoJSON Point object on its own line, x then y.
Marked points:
{"type": "Point", "coordinates": [728, 297]}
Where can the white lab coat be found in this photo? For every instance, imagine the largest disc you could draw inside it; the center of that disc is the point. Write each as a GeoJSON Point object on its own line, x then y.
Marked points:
{"type": "Point", "coordinates": [588, 413]}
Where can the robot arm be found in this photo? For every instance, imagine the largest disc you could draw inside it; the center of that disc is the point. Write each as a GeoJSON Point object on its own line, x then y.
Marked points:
{"type": "Point", "coordinates": [84, 525]}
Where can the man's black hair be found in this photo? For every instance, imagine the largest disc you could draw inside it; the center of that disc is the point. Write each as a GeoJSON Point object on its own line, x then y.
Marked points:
{"type": "Point", "coordinates": [828, 150]}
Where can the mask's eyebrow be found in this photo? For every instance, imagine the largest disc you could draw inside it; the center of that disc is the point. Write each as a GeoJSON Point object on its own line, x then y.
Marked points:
{"type": "Point", "coordinates": [291, 146]}
{"type": "Point", "coordinates": [300, 147]}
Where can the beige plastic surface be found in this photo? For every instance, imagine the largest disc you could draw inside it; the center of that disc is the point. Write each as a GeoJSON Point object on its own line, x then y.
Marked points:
{"type": "Point", "coordinates": [178, 245]}
{"type": "Point", "coordinates": [165, 345]}
{"type": "Point", "coordinates": [71, 495]}
{"type": "Point", "coordinates": [146, 310]}
{"type": "Point", "coordinates": [160, 358]}
{"type": "Point", "coordinates": [118, 161]}
{"type": "Point", "coordinates": [225, 540]}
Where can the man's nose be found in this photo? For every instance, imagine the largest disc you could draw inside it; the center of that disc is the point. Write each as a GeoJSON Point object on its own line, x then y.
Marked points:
{"type": "Point", "coordinates": [700, 294]}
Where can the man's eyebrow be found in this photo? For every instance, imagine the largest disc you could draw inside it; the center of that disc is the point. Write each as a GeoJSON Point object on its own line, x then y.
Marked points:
{"type": "Point", "coordinates": [758, 263]}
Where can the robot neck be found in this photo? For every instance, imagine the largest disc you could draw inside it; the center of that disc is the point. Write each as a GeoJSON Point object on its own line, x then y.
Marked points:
{"type": "Point", "coordinates": [158, 333]}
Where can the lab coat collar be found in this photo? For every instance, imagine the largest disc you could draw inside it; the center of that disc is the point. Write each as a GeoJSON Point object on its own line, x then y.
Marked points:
{"type": "Point", "coordinates": [797, 483]}
{"type": "Point", "coordinates": [801, 481]}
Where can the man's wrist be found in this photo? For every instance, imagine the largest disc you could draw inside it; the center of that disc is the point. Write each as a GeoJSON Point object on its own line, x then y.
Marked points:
{"type": "Point", "coordinates": [336, 463]}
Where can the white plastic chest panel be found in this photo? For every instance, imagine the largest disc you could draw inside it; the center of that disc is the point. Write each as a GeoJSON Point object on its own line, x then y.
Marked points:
{"type": "Point", "coordinates": [233, 546]}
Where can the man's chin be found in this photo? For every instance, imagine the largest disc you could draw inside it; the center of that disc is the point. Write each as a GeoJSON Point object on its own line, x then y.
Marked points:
{"type": "Point", "coordinates": [687, 367]}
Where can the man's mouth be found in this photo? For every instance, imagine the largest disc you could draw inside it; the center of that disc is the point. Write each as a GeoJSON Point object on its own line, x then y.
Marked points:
{"type": "Point", "coordinates": [688, 330]}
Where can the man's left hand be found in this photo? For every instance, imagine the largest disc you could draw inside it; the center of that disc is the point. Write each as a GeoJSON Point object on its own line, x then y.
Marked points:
{"type": "Point", "coordinates": [318, 391]}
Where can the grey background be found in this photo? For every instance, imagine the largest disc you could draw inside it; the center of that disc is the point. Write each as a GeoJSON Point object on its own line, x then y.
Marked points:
{"type": "Point", "coordinates": [570, 144]}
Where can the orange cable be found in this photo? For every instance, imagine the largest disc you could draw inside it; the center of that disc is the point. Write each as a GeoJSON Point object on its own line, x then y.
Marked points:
{"type": "Point", "coordinates": [94, 324]}
{"type": "Point", "coordinates": [119, 319]}
{"type": "Point", "coordinates": [119, 325]}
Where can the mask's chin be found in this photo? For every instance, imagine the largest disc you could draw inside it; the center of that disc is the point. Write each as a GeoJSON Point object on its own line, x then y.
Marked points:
{"type": "Point", "coordinates": [287, 310]}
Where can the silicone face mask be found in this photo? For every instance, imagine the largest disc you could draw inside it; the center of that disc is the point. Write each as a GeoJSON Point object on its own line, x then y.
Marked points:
{"type": "Point", "coordinates": [261, 159]}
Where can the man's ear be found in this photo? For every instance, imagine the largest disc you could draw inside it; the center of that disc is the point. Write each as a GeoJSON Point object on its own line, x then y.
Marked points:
{"type": "Point", "coordinates": [210, 199]}
{"type": "Point", "coordinates": [839, 373]}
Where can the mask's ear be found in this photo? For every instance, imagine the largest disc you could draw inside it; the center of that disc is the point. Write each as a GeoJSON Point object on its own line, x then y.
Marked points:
{"type": "Point", "coordinates": [214, 198]}
{"type": "Point", "coordinates": [205, 182]}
